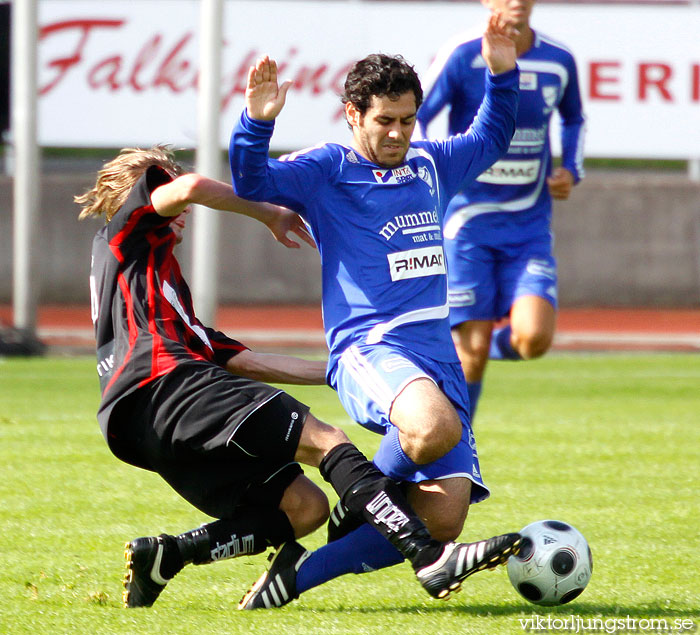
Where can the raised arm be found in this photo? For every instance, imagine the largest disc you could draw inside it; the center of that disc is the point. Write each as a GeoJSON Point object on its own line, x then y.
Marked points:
{"type": "Point", "coordinates": [264, 98]}
{"type": "Point", "coordinates": [498, 44]}
{"type": "Point", "coordinates": [174, 197]}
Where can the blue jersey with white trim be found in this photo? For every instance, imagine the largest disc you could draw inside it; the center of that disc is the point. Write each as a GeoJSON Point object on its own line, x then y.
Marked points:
{"type": "Point", "coordinates": [517, 182]}
{"type": "Point", "coordinates": [379, 231]}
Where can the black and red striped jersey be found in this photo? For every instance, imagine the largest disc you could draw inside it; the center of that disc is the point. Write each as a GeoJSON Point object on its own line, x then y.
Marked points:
{"type": "Point", "coordinates": [144, 321]}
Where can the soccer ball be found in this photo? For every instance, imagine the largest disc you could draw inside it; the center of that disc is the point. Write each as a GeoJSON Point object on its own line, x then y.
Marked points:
{"type": "Point", "coordinates": [554, 564]}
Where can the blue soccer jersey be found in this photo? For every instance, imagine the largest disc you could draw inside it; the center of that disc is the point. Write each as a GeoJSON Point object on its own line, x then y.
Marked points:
{"type": "Point", "coordinates": [379, 231]}
{"type": "Point", "coordinates": [517, 182]}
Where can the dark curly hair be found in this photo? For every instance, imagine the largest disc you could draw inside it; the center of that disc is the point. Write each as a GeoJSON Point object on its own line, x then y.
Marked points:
{"type": "Point", "coordinates": [380, 75]}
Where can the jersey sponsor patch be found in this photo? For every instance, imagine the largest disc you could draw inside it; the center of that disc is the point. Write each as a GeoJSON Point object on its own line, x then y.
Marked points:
{"type": "Point", "coordinates": [395, 176]}
{"type": "Point", "coordinates": [466, 297]}
{"type": "Point", "coordinates": [417, 263]}
{"type": "Point", "coordinates": [511, 172]}
{"type": "Point", "coordinates": [528, 81]}
{"type": "Point", "coordinates": [412, 224]}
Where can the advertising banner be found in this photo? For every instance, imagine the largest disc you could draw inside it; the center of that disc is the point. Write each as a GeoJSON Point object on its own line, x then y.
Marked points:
{"type": "Point", "coordinates": [115, 73]}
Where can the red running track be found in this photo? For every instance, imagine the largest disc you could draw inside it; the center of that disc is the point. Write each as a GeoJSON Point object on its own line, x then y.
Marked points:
{"type": "Point", "coordinates": [275, 326]}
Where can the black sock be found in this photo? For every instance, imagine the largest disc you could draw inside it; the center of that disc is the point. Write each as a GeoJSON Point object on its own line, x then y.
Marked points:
{"type": "Point", "coordinates": [365, 491]}
{"type": "Point", "coordinates": [252, 531]}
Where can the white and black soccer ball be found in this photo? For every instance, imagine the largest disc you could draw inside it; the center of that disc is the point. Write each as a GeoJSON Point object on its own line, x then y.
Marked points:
{"type": "Point", "coordinates": [554, 564]}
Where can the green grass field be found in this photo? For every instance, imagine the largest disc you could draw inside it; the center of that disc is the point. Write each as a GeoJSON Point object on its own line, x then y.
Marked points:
{"type": "Point", "coordinates": [609, 443]}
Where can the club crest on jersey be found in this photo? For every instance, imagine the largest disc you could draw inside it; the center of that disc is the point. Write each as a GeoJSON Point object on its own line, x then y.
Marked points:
{"type": "Point", "coordinates": [395, 176]}
{"type": "Point", "coordinates": [549, 94]}
{"type": "Point", "coordinates": [425, 176]}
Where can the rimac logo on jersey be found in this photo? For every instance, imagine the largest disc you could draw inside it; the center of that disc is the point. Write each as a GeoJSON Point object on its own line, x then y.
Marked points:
{"type": "Point", "coordinates": [511, 172]}
{"type": "Point", "coordinates": [417, 263]}
{"type": "Point", "coordinates": [396, 176]}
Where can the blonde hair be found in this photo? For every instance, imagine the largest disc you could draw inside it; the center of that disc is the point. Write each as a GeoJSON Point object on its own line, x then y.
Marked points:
{"type": "Point", "coordinates": [117, 178]}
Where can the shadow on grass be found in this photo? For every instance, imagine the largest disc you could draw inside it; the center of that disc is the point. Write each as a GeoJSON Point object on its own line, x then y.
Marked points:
{"type": "Point", "coordinates": [583, 610]}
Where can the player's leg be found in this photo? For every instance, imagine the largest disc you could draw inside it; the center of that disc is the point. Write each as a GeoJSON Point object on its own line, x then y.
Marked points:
{"type": "Point", "coordinates": [152, 561]}
{"type": "Point", "coordinates": [362, 488]}
{"type": "Point", "coordinates": [281, 506]}
{"type": "Point", "coordinates": [364, 550]}
{"type": "Point", "coordinates": [305, 505]}
{"type": "Point", "coordinates": [255, 525]}
{"type": "Point", "coordinates": [198, 438]}
{"type": "Point", "coordinates": [528, 292]}
{"type": "Point", "coordinates": [442, 490]}
{"type": "Point", "coordinates": [443, 505]}
{"type": "Point", "coordinates": [284, 431]}
{"type": "Point", "coordinates": [472, 293]}
{"type": "Point", "coordinates": [427, 423]}
{"type": "Point", "coordinates": [473, 342]}
{"type": "Point", "coordinates": [532, 321]}
{"type": "Point", "coordinates": [365, 491]}
{"type": "Point", "coordinates": [444, 501]}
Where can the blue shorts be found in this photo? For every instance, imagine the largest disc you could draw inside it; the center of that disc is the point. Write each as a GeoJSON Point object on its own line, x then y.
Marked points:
{"type": "Point", "coordinates": [485, 280]}
{"type": "Point", "coordinates": [369, 377]}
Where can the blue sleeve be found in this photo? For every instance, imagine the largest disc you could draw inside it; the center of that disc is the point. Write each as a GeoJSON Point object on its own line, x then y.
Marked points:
{"type": "Point", "coordinates": [439, 96]}
{"type": "Point", "coordinates": [461, 158]}
{"type": "Point", "coordinates": [572, 125]}
{"type": "Point", "coordinates": [258, 178]}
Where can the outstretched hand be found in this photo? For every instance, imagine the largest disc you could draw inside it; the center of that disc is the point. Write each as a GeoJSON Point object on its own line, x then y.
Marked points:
{"type": "Point", "coordinates": [498, 44]}
{"type": "Point", "coordinates": [264, 98]}
{"type": "Point", "coordinates": [285, 222]}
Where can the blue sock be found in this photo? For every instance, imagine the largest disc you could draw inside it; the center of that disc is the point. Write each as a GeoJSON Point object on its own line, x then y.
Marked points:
{"type": "Point", "coordinates": [500, 345]}
{"type": "Point", "coordinates": [361, 551]}
{"type": "Point", "coordinates": [474, 390]}
{"type": "Point", "coordinates": [392, 460]}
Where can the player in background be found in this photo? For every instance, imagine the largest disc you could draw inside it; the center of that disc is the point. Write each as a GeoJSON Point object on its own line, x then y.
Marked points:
{"type": "Point", "coordinates": [498, 238]}
{"type": "Point", "coordinates": [185, 401]}
{"type": "Point", "coordinates": [375, 209]}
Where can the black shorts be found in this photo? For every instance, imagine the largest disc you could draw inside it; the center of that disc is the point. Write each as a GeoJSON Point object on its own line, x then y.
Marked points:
{"type": "Point", "coordinates": [221, 441]}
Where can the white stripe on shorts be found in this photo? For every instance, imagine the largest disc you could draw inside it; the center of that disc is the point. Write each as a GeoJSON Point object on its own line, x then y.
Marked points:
{"type": "Point", "coordinates": [369, 380]}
